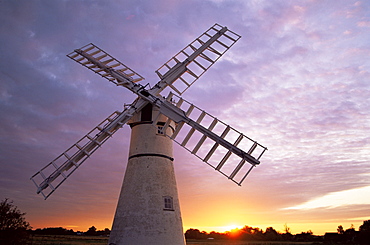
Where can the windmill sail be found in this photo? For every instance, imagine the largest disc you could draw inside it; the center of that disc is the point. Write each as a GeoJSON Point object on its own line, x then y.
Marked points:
{"type": "Point", "coordinates": [103, 63]}
{"type": "Point", "coordinates": [211, 140]}
{"type": "Point", "coordinates": [182, 70]}
{"type": "Point", "coordinates": [203, 135]}
{"type": "Point", "coordinates": [179, 73]}
{"type": "Point", "coordinates": [49, 178]}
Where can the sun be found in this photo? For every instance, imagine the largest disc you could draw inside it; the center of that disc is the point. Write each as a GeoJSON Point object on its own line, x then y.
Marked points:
{"type": "Point", "coordinates": [230, 227]}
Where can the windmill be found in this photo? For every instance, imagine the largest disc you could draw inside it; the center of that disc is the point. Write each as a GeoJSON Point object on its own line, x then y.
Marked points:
{"type": "Point", "coordinates": [148, 210]}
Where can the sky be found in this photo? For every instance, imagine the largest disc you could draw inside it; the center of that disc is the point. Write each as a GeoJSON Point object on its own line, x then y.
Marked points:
{"type": "Point", "coordinates": [297, 82]}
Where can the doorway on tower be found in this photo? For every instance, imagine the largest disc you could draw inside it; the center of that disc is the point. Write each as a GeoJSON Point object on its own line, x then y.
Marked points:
{"type": "Point", "coordinates": [146, 113]}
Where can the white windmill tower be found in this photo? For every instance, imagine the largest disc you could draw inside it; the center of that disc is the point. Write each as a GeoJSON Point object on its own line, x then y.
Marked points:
{"type": "Point", "coordinates": [148, 210]}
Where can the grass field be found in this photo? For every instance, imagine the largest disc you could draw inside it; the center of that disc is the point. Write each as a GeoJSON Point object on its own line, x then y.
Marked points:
{"type": "Point", "coordinates": [68, 240]}
{"type": "Point", "coordinates": [96, 240]}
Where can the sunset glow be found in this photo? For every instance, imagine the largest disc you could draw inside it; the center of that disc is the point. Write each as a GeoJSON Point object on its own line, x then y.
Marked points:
{"type": "Point", "coordinates": [231, 228]}
{"type": "Point", "coordinates": [297, 82]}
{"type": "Point", "coordinates": [359, 196]}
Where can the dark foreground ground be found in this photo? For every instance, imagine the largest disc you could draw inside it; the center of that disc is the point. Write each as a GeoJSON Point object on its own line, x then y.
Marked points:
{"type": "Point", "coordinates": [96, 240]}
{"type": "Point", "coordinates": [223, 242]}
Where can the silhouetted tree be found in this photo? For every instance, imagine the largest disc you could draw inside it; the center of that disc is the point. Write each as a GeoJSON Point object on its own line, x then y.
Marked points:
{"type": "Point", "coordinates": [286, 228]}
{"type": "Point", "coordinates": [365, 227]}
{"type": "Point", "coordinates": [251, 234]}
{"type": "Point", "coordinates": [305, 236]}
{"type": "Point", "coordinates": [271, 234]}
{"type": "Point", "coordinates": [195, 234]}
{"type": "Point", "coordinates": [247, 233]}
{"type": "Point", "coordinates": [257, 234]}
{"type": "Point", "coordinates": [91, 231]}
{"type": "Point", "coordinates": [104, 232]}
{"type": "Point", "coordinates": [364, 236]}
{"type": "Point", "coordinates": [350, 234]}
{"type": "Point", "coordinates": [340, 230]}
{"type": "Point", "coordinates": [54, 231]}
{"type": "Point", "coordinates": [287, 236]}
{"type": "Point", "coordinates": [13, 226]}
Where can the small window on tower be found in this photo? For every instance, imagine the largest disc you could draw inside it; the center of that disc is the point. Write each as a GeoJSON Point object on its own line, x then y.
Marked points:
{"type": "Point", "coordinates": [168, 203]}
{"type": "Point", "coordinates": [160, 127]}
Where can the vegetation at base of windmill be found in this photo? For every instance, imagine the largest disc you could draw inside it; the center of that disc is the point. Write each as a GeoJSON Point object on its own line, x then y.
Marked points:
{"type": "Point", "coordinates": [248, 233]}
{"type": "Point", "coordinates": [242, 236]}
{"type": "Point", "coordinates": [245, 236]}
{"type": "Point", "coordinates": [258, 236]}
{"type": "Point", "coordinates": [62, 236]}
{"type": "Point", "coordinates": [350, 235]}
{"type": "Point", "coordinates": [92, 231]}
{"type": "Point", "coordinates": [14, 229]}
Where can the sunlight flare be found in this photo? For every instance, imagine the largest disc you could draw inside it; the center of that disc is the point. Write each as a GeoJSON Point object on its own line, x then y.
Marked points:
{"type": "Point", "coordinates": [231, 228]}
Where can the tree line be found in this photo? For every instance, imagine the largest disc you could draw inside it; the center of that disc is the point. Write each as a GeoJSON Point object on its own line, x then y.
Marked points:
{"type": "Point", "coordinates": [92, 231]}
{"type": "Point", "coordinates": [247, 233]}
{"type": "Point", "coordinates": [14, 229]}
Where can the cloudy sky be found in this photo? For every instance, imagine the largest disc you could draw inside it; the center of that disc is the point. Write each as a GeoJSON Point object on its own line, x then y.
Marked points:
{"type": "Point", "coordinates": [297, 82]}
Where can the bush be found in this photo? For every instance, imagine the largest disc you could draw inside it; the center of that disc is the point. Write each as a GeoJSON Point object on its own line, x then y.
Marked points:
{"type": "Point", "coordinates": [13, 226]}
